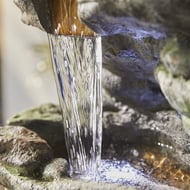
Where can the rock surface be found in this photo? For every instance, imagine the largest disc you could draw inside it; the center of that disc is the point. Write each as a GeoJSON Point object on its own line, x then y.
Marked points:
{"type": "Point", "coordinates": [145, 10]}
{"type": "Point", "coordinates": [124, 129]}
{"type": "Point", "coordinates": [173, 74]}
{"type": "Point", "coordinates": [47, 128]}
{"type": "Point", "coordinates": [175, 90]}
{"type": "Point", "coordinates": [130, 53]}
{"type": "Point", "coordinates": [57, 169]}
{"type": "Point", "coordinates": [23, 151]}
{"type": "Point", "coordinates": [18, 183]}
{"type": "Point", "coordinates": [29, 15]}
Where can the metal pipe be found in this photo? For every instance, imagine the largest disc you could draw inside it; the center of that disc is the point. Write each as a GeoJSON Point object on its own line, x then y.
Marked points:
{"type": "Point", "coordinates": [61, 16]}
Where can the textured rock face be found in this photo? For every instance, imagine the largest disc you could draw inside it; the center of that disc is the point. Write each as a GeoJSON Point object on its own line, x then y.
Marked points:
{"type": "Point", "coordinates": [131, 50]}
{"type": "Point", "coordinates": [130, 55]}
{"type": "Point", "coordinates": [23, 149]}
{"type": "Point", "coordinates": [125, 134]}
{"type": "Point", "coordinates": [145, 10]}
{"type": "Point", "coordinates": [29, 15]}
{"type": "Point", "coordinates": [57, 169]}
{"type": "Point", "coordinates": [173, 76]}
{"type": "Point", "coordinates": [46, 128]}
{"type": "Point", "coordinates": [122, 124]}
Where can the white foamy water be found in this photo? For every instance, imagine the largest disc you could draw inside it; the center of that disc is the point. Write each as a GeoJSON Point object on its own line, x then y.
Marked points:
{"type": "Point", "coordinates": [121, 172]}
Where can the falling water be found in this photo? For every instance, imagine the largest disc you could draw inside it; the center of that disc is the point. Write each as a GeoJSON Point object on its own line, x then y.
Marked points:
{"type": "Point", "coordinates": [77, 68]}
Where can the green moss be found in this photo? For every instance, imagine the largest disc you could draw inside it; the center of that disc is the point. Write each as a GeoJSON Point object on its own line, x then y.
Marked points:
{"type": "Point", "coordinates": [46, 112]}
{"type": "Point", "coordinates": [170, 46]}
{"type": "Point", "coordinates": [186, 124]}
{"type": "Point", "coordinates": [21, 171]}
{"type": "Point", "coordinates": [31, 172]}
{"type": "Point", "coordinates": [160, 68]}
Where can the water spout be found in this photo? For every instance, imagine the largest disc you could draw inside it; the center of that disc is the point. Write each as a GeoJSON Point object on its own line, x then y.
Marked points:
{"type": "Point", "coordinates": [77, 67]}
{"type": "Point", "coordinates": [77, 58]}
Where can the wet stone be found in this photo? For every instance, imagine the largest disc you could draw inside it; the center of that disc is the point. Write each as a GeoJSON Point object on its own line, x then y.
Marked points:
{"type": "Point", "coordinates": [23, 151]}
{"type": "Point", "coordinates": [130, 54]}
{"type": "Point", "coordinates": [56, 169]}
{"type": "Point", "coordinates": [46, 121]}
{"type": "Point", "coordinates": [130, 135]}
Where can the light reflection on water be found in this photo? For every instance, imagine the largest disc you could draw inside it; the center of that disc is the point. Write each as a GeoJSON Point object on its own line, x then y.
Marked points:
{"type": "Point", "coordinates": [77, 63]}
{"type": "Point", "coordinates": [121, 172]}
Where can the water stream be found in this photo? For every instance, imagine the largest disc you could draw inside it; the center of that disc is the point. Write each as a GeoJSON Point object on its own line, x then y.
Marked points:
{"type": "Point", "coordinates": [77, 66]}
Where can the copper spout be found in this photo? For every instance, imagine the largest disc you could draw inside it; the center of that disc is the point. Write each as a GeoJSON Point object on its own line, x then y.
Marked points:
{"type": "Point", "coordinates": [65, 20]}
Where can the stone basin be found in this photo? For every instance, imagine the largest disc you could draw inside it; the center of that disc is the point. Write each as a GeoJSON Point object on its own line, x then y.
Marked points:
{"type": "Point", "coordinates": [151, 155]}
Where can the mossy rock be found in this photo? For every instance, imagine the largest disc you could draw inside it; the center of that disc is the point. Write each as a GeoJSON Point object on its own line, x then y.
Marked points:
{"type": "Point", "coordinates": [175, 89]}
{"type": "Point", "coordinates": [46, 121]}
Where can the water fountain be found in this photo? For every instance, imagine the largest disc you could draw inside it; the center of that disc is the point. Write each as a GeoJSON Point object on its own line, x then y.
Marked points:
{"type": "Point", "coordinates": [77, 65]}
{"type": "Point", "coordinates": [140, 149]}
{"type": "Point", "coordinates": [77, 58]}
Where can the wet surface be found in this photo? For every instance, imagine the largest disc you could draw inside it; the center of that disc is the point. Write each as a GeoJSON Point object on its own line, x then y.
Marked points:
{"type": "Point", "coordinates": [122, 172]}
{"type": "Point", "coordinates": [147, 167]}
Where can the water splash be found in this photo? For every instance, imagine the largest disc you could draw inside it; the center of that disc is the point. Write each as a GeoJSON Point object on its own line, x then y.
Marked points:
{"type": "Point", "coordinates": [122, 172]}
{"type": "Point", "coordinates": [77, 67]}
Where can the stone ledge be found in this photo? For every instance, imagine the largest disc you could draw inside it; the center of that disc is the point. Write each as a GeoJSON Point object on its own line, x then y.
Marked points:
{"type": "Point", "coordinates": [22, 183]}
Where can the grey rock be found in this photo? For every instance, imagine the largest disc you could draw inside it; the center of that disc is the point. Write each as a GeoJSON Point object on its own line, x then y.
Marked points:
{"type": "Point", "coordinates": [108, 101]}
{"type": "Point", "coordinates": [23, 151]}
{"type": "Point", "coordinates": [56, 169]}
{"type": "Point", "coordinates": [48, 128]}
{"type": "Point", "coordinates": [175, 89]}
{"type": "Point", "coordinates": [29, 15]}
{"type": "Point", "coordinates": [130, 54]}
{"type": "Point", "coordinates": [126, 126]}
{"type": "Point", "coordinates": [145, 10]}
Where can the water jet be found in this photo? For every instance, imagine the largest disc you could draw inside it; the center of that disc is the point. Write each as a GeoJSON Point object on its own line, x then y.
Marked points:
{"type": "Point", "coordinates": [77, 58]}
